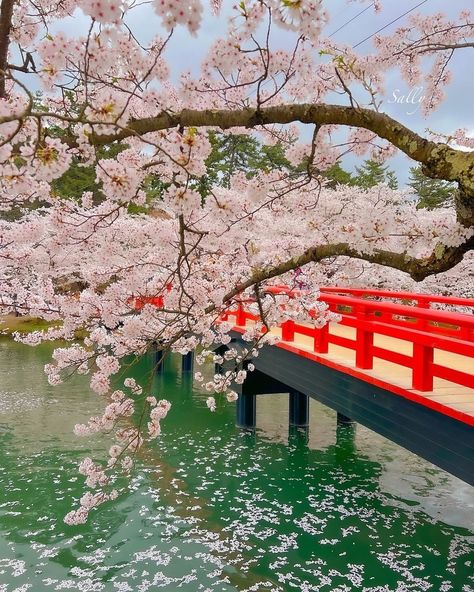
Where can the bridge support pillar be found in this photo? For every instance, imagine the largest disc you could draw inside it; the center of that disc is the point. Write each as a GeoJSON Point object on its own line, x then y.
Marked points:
{"type": "Point", "coordinates": [344, 420]}
{"type": "Point", "coordinates": [246, 410]}
{"type": "Point", "coordinates": [298, 409]}
{"type": "Point", "coordinates": [158, 358]}
{"type": "Point", "coordinates": [187, 362]}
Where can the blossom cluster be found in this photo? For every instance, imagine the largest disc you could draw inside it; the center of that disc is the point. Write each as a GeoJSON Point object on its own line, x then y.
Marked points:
{"type": "Point", "coordinates": [157, 251]}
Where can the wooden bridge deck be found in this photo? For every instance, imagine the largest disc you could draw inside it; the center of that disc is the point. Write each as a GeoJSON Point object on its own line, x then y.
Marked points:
{"type": "Point", "coordinates": [448, 394]}
{"type": "Point", "coordinates": [421, 353]}
{"type": "Point", "coordinates": [418, 392]}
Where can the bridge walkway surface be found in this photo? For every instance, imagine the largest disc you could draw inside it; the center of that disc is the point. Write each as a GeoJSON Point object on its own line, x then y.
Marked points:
{"type": "Point", "coordinates": [449, 394]}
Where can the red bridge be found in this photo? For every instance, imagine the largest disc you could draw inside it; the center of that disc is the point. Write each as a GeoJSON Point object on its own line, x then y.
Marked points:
{"type": "Point", "coordinates": [400, 363]}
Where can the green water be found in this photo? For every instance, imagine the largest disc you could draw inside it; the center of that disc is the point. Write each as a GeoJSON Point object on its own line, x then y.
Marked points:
{"type": "Point", "coordinates": [215, 509]}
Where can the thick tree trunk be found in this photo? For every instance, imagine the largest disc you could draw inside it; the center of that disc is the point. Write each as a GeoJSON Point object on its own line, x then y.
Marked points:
{"type": "Point", "coordinates": [6, 13]}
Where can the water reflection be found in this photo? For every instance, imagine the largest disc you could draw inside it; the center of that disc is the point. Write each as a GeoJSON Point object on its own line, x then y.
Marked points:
{"type": "Point", "coordinates": [330, 508]}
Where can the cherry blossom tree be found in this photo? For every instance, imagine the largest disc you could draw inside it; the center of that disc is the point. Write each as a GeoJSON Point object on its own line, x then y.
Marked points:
{"type": "Point", "coordinates": [97, 265]}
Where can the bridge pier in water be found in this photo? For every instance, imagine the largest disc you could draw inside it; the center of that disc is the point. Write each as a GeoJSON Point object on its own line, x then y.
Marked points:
{"type": "Point", "coordinates": [187, 362]}
{"type": "Point", "coordinates": [298, 409]}
{"type": "Point", "coordinates": [258, 383]}
{"type": "Point", "coordinates": [158, 358]}
{"type": "Point", "coordinates": [246, 410]}
{"type": "Point", "coordinates": [343, 420]}
{"type": "Point", "coordinates": [345, 442]}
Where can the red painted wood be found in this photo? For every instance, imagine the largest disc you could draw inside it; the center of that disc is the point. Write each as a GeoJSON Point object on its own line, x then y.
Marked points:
{"type": "Point", "coordinates": [303, 330]}
{"type": "Point", "coordinates": [405, 296]}
{"type": "Point", "coordinates": [288, 331]}
{"type": "Point", "coordinates": [422, 378]}
{"type": "Point", "coordinates": [241, 316]}
{"type": "Point", "coordinates": [321, 340]}
{"type": "Point", "coordinates": [140, 301]}
{"type": "Point", "coordinates": [423, 325]}
{"type": "Point", "coordinates": [454, 375]}
{"type": "Point", "coordinates": [342, 341]}
{"type": "Point", "coordinates": [394, 357]}
{"type": "Point", "coordinates": [438, 316]}
{"type": "Point", "coordinates": [364, 339]}
{"type": "Point", "coordinates": [443, 342]}
{"type": "Point", "coordinates": [419, 325]}
{"type": "Point", "coordinates": [396, 390]}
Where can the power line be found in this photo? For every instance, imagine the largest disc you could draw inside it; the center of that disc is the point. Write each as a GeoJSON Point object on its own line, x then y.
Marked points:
{"type": "Point", "coordinates": [352, 19]}
{"type": "Point", "coordinates": [390, 23]}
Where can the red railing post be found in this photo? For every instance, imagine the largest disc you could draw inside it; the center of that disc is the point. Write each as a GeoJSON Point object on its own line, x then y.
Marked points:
{"type": "Point", "coordinates": [422, 302]}
{"type": "Point", "coordinates": [364, 341]}
{"type": "Point", "coordinates": [288, 331]}
{"type": "Point", "coordinates": [465, 333]}
{"type": "Point", "coordinates": [321, 339]}
{"type": "Point", "coordinates": [422, 379]}
{"type": "Point", "coordinates": [240, 319]}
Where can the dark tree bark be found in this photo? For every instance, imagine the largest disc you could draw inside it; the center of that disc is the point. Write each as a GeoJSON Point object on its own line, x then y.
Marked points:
{"type": "Point", "coordinates": [6, 13]}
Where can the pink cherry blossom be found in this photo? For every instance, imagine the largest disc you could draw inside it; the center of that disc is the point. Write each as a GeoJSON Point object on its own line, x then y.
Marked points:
{"type": "Point", "coordinates": [145, 258]}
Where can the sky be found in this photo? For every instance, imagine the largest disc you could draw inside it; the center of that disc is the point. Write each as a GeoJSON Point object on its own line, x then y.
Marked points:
{"type": "Point", "coordinates": [457, 111]}
{"type": "Point", "coordinates": [185, 53]}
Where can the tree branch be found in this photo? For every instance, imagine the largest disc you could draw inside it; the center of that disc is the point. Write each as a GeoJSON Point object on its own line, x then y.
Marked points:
{"type": "Point", "coordinates": [442, 259]}
{"type": "Point", "coordinates": [6, 14]}
{"type": "Point", "coordinates": [439, 160]}
{"type": "Point", "coordinates": [431, 47]}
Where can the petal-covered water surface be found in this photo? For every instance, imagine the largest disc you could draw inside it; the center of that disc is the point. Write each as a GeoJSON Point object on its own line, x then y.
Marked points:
{"type": "Point", "coordinates": [212, 508]}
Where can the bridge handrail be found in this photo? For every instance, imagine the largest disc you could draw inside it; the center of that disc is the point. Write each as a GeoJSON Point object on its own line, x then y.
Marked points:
{"type": "Point", "coordinates": [439, 316]}
{"type": "Point", "coordinates": [423, 300]}
{"type": "Point", "coordinates": [362, 316]}
{"type": "Point", "coordinates": [403, 310]}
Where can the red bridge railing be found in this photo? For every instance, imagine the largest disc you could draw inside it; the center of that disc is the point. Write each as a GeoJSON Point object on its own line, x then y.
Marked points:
{"type": "Point", "coordinates": [424, 328]}
{"type": "Point", "coordinates": [409, 298]}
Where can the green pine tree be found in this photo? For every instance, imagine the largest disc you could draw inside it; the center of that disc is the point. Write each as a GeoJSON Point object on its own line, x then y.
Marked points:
{"type": "Point", "coordinates": [336, 175]}
{"type": "Point", "coordinates": [372, 173]}
{"type": "Point", "coordinates": [79, 178]}
{"type": "Point", "coordinates": [233, 153]}
{"type": "Point", "coordinates": [431, 193]}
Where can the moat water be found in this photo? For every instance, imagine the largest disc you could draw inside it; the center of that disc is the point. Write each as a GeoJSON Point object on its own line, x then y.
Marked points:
{"type": "Point", "coordinates": [211, 508]}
